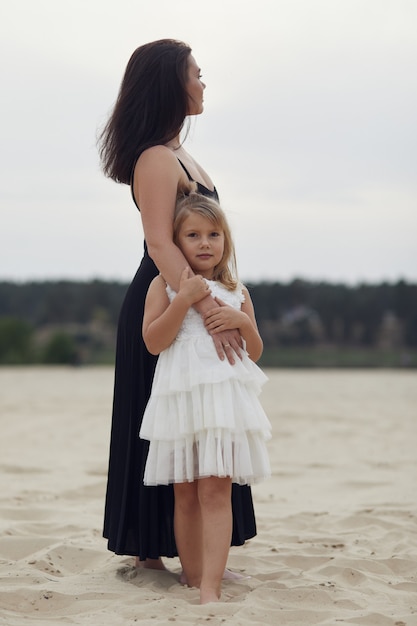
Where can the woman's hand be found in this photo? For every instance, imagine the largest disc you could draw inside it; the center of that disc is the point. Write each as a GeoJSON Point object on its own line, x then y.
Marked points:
{"type": "Point", "coordinates": [228, 343]}
{"type": "Point", "coordinates": [222, 322]}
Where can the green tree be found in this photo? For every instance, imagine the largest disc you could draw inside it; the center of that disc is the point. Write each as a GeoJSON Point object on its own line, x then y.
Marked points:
{"type": "Point", "coordinates": [15, 341]}
{"type": "Point", "coordinates": [60, 350]}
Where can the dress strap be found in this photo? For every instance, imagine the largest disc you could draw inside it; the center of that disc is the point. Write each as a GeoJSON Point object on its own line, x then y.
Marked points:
{"type": "Point", "coordinates": [190, 178]}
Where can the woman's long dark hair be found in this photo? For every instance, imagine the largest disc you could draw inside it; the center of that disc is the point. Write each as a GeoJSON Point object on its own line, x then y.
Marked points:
{"type": "Point", "coordinates": [150, 109]}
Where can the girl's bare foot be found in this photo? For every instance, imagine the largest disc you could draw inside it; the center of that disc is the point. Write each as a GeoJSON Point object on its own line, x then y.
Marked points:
{"type": "Point", "coordinates": [150, 564]}
{"type": "Point", "coordinates": [209, 595]}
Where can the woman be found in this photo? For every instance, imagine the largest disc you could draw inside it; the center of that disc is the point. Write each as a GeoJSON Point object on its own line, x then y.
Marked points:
{"type": "Point", "coordinates": [140, 146]}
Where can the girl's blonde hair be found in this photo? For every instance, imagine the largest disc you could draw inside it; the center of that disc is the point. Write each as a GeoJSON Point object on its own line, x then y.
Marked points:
{"type": "Point", "coordinates": [225, 271]}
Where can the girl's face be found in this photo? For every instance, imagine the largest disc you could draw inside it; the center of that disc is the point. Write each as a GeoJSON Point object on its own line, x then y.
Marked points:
{"type": "Point", "coordinates": [195, 88]}
{"type": "Point", "coordinates": [202, 244]}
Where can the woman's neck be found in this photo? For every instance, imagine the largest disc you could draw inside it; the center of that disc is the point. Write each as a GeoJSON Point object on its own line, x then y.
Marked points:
{"type": "Point", "coordinates": [174, 144]}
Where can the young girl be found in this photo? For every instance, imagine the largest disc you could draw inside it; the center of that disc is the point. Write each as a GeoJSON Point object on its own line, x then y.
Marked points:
{"type": "Point", "coordinates": [204, 422]}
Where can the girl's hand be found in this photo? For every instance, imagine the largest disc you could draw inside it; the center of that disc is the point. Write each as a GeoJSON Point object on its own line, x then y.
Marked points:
{"type": "Point", "coordinates": [193, 287]}
{"type": "Point", "coordinates": [223, 317]}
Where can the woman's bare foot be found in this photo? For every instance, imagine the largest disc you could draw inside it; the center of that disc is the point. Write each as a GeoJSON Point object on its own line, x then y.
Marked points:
{"type": "Point", "coordinates": [150, 564]}
{"type": "Point", "coordinates": [228, 575]}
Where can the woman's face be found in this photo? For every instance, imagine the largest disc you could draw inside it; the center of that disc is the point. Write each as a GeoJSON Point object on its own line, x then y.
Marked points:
{"type": "Point", "coordinates": [195, 88]}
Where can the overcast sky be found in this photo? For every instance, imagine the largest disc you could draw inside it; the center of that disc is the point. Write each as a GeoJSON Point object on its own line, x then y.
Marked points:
{"type": "Point", "coordinates": [309, 133]}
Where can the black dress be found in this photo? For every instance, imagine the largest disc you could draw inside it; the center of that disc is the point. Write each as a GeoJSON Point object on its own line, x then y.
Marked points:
{"type": "Point", "coordinates": [139, 520]}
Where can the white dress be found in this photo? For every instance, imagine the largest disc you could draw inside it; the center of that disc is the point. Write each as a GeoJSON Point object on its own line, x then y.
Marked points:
{"type": "Point", "coordinates": [204, 417]}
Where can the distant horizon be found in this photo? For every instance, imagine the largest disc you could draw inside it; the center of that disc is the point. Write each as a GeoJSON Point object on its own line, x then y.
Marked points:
{"type": "Point", "coordinates": [267, 280]}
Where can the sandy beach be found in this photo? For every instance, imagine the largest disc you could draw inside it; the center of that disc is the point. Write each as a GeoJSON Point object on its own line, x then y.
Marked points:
{"type": "Point", "coordinates": [337, 534]}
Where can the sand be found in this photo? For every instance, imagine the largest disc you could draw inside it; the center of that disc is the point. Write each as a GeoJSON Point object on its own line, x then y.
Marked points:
{"type": "Point", "coordinates": [337, 535]}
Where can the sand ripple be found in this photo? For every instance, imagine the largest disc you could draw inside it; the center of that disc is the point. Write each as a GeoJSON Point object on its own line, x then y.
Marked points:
{"type": "Point", "coordinates": [337, 534]}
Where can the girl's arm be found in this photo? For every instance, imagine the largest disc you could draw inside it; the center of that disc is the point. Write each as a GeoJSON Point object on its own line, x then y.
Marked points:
{"type": "Point", "coordinates": [224, 317]}
{"type": "Point", "coordinates": [157, 178]}
{"type": "Point", "coordinates": [162, 319]}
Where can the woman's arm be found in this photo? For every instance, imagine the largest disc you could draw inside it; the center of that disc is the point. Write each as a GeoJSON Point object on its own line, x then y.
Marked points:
{"type": "Point", "coordinates": [162, 319]}
{"type": "Point", "coordinates": [225, 317]}
{"type": "Point", "coordinates": [157, 178]}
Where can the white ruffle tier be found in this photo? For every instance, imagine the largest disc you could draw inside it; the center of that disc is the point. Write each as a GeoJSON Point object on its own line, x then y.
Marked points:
{"type": "Point", "coordinates": [204, 417]}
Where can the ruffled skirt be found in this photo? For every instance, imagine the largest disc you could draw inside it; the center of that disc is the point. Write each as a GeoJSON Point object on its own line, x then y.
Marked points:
{"type": "Point", "coordinates": [204, 417]}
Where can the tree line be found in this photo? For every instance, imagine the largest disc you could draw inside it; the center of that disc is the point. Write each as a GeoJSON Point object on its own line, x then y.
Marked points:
{"type": "Point", "coordinates": [75, 322]}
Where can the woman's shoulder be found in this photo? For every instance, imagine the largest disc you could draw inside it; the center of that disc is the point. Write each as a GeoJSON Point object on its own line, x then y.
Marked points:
{"type": "Point", "coordinates": [157, 164]}
{"type": "Point", "coordinates": [160, 148]}
{"type": "Point", "coordinates": [159, 171]}
{"type": "Point", "coordinates": [162, 162]}
{"type": "Point", "coordinates": [157, 154]}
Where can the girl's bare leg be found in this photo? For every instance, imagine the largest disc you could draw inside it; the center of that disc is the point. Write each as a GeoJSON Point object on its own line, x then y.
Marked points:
{"type": "Point", "coordinates": [188, 531]}
{"type": "Point", "coordinates": [216, 511]}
